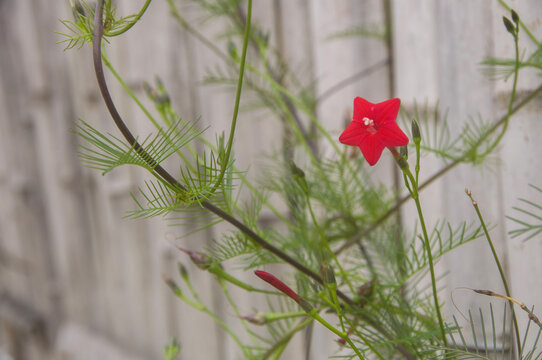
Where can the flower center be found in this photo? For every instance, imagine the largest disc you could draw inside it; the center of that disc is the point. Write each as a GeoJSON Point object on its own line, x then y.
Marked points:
{"type": "Point", "coordinates": [368, 122]}
{"type": "Point", "coordinates": [370, 125]}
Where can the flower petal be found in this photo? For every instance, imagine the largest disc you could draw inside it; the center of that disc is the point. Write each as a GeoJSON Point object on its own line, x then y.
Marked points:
{"type": "Point", "coordinates": [372, 148]}
{"type": "Point", "coordinates": [386, 111]}
{"type": "Point", "coordinates": [363, 108]}
{"type": "Point", "coordinates": [391, 135]}
{"type": "Point", "coordinates": [354, 134]}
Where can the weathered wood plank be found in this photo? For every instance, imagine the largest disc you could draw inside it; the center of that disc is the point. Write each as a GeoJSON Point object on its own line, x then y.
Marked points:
{"type": "Point", "coordinates": [70, 253]}
{"type": "Point", "coordinates": [464, 36]}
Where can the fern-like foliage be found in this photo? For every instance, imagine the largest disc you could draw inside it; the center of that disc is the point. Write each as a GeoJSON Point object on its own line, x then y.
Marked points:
{"type": "Point", "coordinates": [159, 198]}
{"type": "Point", "coordinates": [372, 31]}
{"type": "Point", "coordinates": [503, 68]}
{"type": "Point", "coordinates": [487, 338]}
{"type": "Point", "coordinates": [81, 29]}
{"type": "Point", "coordinates": [105, 152]}
{"type": "Point", "coordinates": [474, 144]}
{"type": "Point", "coordinates": [528, 218]}
{"type": "Point", "coordinates": [443, 239]}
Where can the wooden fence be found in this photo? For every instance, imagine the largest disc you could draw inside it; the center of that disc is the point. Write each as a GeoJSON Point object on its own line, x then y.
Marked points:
{"type": "Point", "coordinates": [79, 282]}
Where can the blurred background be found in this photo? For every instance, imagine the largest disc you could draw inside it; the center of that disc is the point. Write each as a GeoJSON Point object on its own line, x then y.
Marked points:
{"type": "Point", "coordinates": [77, 281]}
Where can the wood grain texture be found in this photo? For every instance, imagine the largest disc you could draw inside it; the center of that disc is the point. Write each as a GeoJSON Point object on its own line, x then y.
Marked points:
{"type": "Point", "coordinates": [67, 255]}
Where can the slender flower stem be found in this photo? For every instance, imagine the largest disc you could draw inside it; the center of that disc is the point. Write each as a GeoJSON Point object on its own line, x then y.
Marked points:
{"type": "Point", "coordinates": [413, 188]}
{"type": "Point", "coordinates": [197, 304]}
{"type": "Point", "coordinates": [314, 314]}
{"type": "Point", "coordinates": [499, 266]}
{"type": "Point", "coordinates": [235, 308]}
{"type": "Point", "coordinates": [222, 274]}
{"type": "Point", "coordinates": [360, 335]}
{"type": "Point", "coordinates": [427, 246]}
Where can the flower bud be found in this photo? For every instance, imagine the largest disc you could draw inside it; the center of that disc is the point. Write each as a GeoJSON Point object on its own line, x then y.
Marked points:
{"type": "Point", "coordinates": [182, 270]}
{"type": "Point", "coordinates": [149, 90]}
{"type": "Point", "coordinates": [78, 10]}
{"type": "Point", "coordinates": [328, 275]}
{"type": "Point", "coordinates": [172, 285]}
{"type": "Point", "coordinates": [256, 319]}
{"type": "Point", "coordinates": [296, 171]}
{"type": "Point", "coordinates": [171, 350]}
{"type": "Point", "coordinates": [299, 177]}
{"type": "Point", "coordinates": [365, 291]}
{"type": "Point", "coordinates": [201, 260]}
{"type": "Point", "coordinates": [232, 50]}
{"type": "Point", "coordinates": [515, 16]}
{"type": "Point", "coordinates": [403, 150]}
{"type": "Point", "coordinates": [510, 27]}
{"type": "Point", "coordinates": [416, 132]}
{"type": "Point", "coordinates": [277, 284]}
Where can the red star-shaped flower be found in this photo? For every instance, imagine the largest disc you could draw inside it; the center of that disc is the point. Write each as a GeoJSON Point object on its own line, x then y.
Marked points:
{"type": "Point", "coordinates": [373, 128]}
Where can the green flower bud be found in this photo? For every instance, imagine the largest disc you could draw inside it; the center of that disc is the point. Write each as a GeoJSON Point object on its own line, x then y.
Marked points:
{"type": "Point", "coordinates": [232, 50]}
{"type": "Point", "coordinates": [201, 260]}
{"type": "Point", "coordinates": [171, 350]}
{"type": "Point", "coordinates": [78, 10]}
{"type": "Point", "coordinates": [328, 275]}
{"type": "Point", "coordinates": [172, 285]}
{"type": "Point", "coordinates": [416, 136]}
{"type": "Point", "coordinates": [256, 319]}
{"type": "Point", "coordinates": [515, 16]}
{"type": "Point", "coordinates": [149, 90]}
{"type": "Point", "coordinates": [403, 150]}
{"type": "Point", "coordinates": [182, 270]}
{"type": "Point", "coordinates": [299, 177]}
{"type": "Point", "coordinates": [510, 27]}
{"type": "Point", "coordinates": [365, 292]}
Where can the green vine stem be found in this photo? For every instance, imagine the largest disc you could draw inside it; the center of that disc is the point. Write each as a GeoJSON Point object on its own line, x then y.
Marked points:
{"type": "Point", "coordinates": [413, 189]}
{"type": "Point", "coordinates": [314, 314]}
{"type": "Point", "coordinates": [499, 266]}
{"type": "Point", "coordinates": [512, 94]}
{"type": "Point", "coordinates": [226, 159]}
{"type": "Point", "coordinates": [197, 304]}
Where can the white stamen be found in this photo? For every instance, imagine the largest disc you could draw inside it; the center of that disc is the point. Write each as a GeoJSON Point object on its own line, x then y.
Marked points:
{"type": "Point", "coordinates": [368, 122]}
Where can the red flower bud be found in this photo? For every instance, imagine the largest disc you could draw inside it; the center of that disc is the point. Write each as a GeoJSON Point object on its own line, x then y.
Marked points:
{"type": "Point", "coordinates": [257, 319]}
{"type": "Point", "coordinates": [201, 260]}
{"type": "Point", "coordinates": [279, 285]}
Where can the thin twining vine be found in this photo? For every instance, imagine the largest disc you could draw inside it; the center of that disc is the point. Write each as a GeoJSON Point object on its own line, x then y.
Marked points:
{"type": "Point", "coordinates": [226, 159]}
{"type": "Point", "coordinates": [164, 175]}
